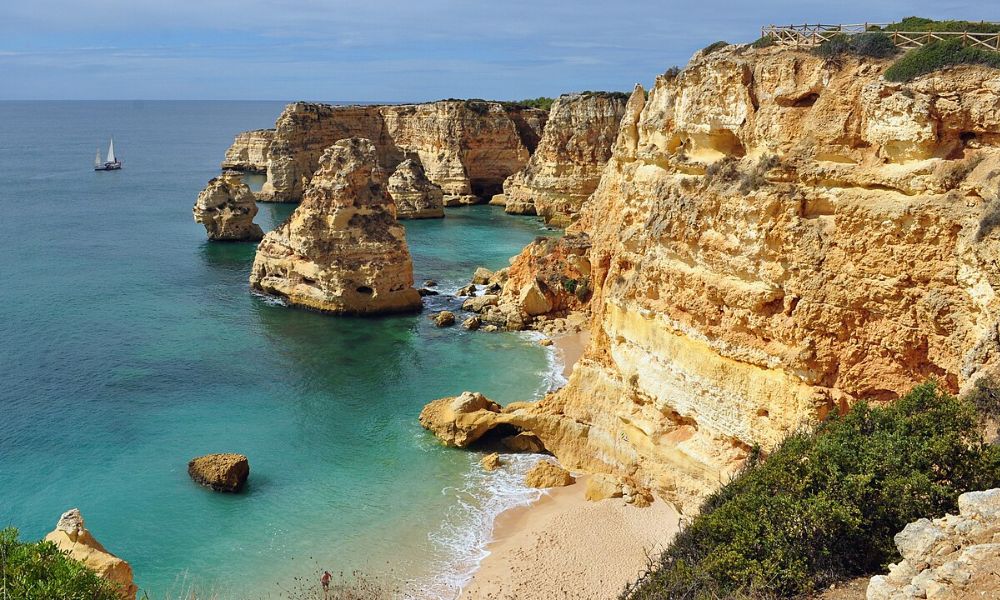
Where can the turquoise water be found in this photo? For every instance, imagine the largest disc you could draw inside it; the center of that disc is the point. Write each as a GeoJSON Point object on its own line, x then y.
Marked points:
{"type": "Point", "coordinates": [129, 344]}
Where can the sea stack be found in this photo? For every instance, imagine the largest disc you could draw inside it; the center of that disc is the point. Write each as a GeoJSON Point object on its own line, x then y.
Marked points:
{"type": "Point", "coordinates": [71, 537]}
{"type": "Point", "coordinates": [342, 250]}
{"type": "Point", "coordinates": [567, 166]}
{"type": "Point", "coordinates": [226, 207]}
{"type": "Point", "coordinates": [415, 196]}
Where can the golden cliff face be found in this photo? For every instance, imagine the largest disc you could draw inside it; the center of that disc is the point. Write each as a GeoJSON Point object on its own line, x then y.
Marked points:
{"type": "Point", "coordinates": [570, 158]}
{"type": "Point", "coordinates": [466, 147]}
{"type": "Point", "coordinates": [414, 195]}
{"type": "Point", "coordinates": [342, 250]}
{"type": "Point", "coordinates": [249, 151]}
{"type": "Point", "coordinates": [774, 238]}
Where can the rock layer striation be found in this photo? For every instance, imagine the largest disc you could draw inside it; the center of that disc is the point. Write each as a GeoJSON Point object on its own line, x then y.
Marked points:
{"type": "Point", "coordinates": [415, 196]}
{"type": "Point", "coordinates": [249, 151]}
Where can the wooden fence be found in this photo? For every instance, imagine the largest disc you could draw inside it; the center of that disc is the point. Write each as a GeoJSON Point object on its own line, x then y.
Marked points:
{"type": "Point", "coordinates": [814, 35]}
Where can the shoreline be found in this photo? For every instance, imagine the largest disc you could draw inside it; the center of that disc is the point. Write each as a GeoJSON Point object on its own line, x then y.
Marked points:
{"type": "Point", "coordinates": [564, 546]}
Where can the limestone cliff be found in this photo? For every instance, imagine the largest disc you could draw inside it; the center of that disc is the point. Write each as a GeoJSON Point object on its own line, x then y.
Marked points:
{"type": "Point", "coordinates": [415, 196]}
{"type": "Point", "coordinates": [226, 207]}
{"type": "Point", "coordinates": [71, 537]}
{"type": "Point", "coordinates": [304, 131]}
{"type": "Point", "coordinates": [775, 237]}
{"type": "Point", "coordinates": [249, 151]}
{"type": "Point", "coordinates": [567, 166]}
{"type": "Point", "coordinates": [342, 250]}
{"type": "Point", "coordinates": [466, 147]}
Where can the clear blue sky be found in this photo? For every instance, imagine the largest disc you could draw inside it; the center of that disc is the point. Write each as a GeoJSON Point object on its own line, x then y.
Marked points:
{"type": "Point", "coordinates": [383, 50]}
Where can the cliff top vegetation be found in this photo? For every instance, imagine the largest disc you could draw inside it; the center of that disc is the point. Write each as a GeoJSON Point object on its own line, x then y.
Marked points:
{"type": "Point", "coordinates": [825, 505]}
{"type": "Point", "coordinates": [40, 571]}
{"type": "Point", "coordinates": [923, 24]}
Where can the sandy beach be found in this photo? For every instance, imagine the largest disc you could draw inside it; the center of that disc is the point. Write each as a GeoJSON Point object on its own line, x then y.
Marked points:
{"type": "Point", "coordinates": [566, 547]}
{"type": "Point", "coordinates": [569, 348]}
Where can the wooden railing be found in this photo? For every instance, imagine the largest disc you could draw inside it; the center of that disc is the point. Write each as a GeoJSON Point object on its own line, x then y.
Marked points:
{"type": "Point", "coordinates": [814, 35]}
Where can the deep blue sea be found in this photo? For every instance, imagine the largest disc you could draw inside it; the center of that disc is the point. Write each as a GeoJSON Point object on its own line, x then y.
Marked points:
{"type": "Point", "coordinates": [129, 344]}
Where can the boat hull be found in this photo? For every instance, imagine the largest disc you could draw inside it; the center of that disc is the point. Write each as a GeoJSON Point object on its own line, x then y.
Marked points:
{"type": "Point", "coordinates": [110, 166]}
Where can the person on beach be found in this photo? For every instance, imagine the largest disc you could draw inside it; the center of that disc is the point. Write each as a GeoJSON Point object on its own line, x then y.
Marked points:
{"type": "Point", "coordinates": [325, 582]}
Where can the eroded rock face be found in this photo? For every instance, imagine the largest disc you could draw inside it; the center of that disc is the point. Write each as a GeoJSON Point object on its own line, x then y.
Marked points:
{"type": "Point", "coordinates": [774, 238]}
{"type": "Point", "coordinates": [342, 250]}
{"type": "Point", "coordinates": [72, 537]}
{"type": "Point", "coordinates": [226, 207]}
{"type": "Point", "coordinates": [546, 474]}
{"type": "Point", "coordinates": [250, 151]}
{"type": "Point", "coordinates": [567, 166]}
{"type": "Point", "coordinates": [466, 147]}
{"type": "Point", "coordinates": [221, 472]}
{"type": "Point", "coordinates": [415, 196]}
{"type": "Point", "coordinates": [956, 556]}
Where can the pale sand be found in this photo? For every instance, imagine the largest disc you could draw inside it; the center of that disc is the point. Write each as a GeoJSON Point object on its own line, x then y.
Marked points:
{"type": "Point", "coordinates": [566, 547]}
{"type": "Point", "coordinates": [569, 348]}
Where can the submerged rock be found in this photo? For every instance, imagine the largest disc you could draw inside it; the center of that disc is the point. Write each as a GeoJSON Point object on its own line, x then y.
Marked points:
{"type": "Point", "coordinates": [221, 472]}
{"type": "Point", "coordinates": [342, 250]}
{"type": "Point", "coordinates": [546, 474]}
{"type": "Point", "coordinates": [226, 207]}
{"type": "Point", "coordinates": [415, 196]}
{"type": "Point", "coordinates": [73, 538]}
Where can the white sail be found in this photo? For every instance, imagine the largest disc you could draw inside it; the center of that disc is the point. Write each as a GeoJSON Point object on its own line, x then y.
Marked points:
{"type": "Point", "coordinates": [97, 161]}
{"type": "Point", "coordinates": [111, 152]}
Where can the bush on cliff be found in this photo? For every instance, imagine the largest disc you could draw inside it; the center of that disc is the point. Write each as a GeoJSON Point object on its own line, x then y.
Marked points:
{"type": "Point", "coordinates": [921, 24]}
{"type": "Point", "coordinates": [939, 55]}
{"type": "Point", "coordinates": [872, 44]}
{"type": "Point", "coordinates": [39, 571]}
{"type": "Point", "coordinates": [825, 505]}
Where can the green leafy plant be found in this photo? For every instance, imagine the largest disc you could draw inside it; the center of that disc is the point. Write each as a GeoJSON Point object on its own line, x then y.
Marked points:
{"type": "Point", "coordinates": [922, 24]}
{"type": "Point", "coordinates": [874, 44]}
{"type": "Point", "coordinates": [938, 55]}
{"type": "Point", "coordinates": [825, 505]}
{"type": "Point", "coordinates": [714, 46]}
{"type": "Point", "coordinates": [40, 571]}
{"type": "Point", "coordinates": [765, 41]}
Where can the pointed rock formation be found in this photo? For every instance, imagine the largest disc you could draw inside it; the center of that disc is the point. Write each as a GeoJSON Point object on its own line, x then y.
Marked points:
{"type": "Point", "coordinates": [567, 166]}
{"type": "Point", "coordinates": [250, 151]}
{"type": "Point", "coordinates": [415, 196]}
{"type": "Point", "coordinates": [71, 537]}
{"type": "Point", "coordinates": [226, 207]}
{"type": "Point", "coordinates": [342, 250]}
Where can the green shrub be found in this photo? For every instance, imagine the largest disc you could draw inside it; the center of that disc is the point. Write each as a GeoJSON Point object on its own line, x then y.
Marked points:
{"type": "Point", "coordinates": [569, 284]}
{"type": "Point", "coordinates": [825, 505]}
{"type": "Point", "coordinates": [874, 44]}
{"type": "Point", "coordinates": [985, 396]}
{"type": "Point", "coordinates": [922, 24]}
{"type": "Point", "coordinates": [714, 46]}
{"type": "Point", "coordinates": [40, 571]}
{"type": "Point", "coordinates": [764, 41]}
{"type": "Point", "coordinates": [938, 55]}
{"type": "Point", "coordinates": [989, 221]}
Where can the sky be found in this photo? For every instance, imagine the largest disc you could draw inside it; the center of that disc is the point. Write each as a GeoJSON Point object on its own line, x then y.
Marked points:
{"type": "Point", "coordinates": [386, 51]}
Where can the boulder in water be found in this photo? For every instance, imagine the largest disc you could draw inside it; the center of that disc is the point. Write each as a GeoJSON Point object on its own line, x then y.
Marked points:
{"type": "Point", "coordinates": [221, 472]}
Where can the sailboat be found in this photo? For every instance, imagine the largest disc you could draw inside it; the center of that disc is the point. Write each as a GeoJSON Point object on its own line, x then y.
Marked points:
{"type": "Point", "coordinates": [112, 164]}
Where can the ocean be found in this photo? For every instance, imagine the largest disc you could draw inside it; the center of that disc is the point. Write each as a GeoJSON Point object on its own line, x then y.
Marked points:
{"type": "Point", "coordinates": [130, 344]}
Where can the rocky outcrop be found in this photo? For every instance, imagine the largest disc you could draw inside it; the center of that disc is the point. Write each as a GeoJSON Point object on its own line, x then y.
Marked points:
{"type": "Point", "coordinates": [547, 474]}
{"type": "Point", "coordinates": [775, 237]}
{"type": "Point", "coordinates": [226, 207]}
{"type": "Point", "coordinates": [467, 148]}
{"type": "Point", "coordinates": [461, 420]}
{"type": "Point", "coordinates": [73, 538]}
{"type": "Point", "coordinates": [415, 196]}
{"type": "Point", "coordinates": [956, 556]}
{"type": "Point", "coordinates": [342, 250]}
{"type": "Point", "coordinates": [250, 151]}
{"type": "Point", "coordinates": [221, 472]}
{"type": "Point", "coordinates": [302, 134]}
{"type": "Point", "coordinates": [567, 166]}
